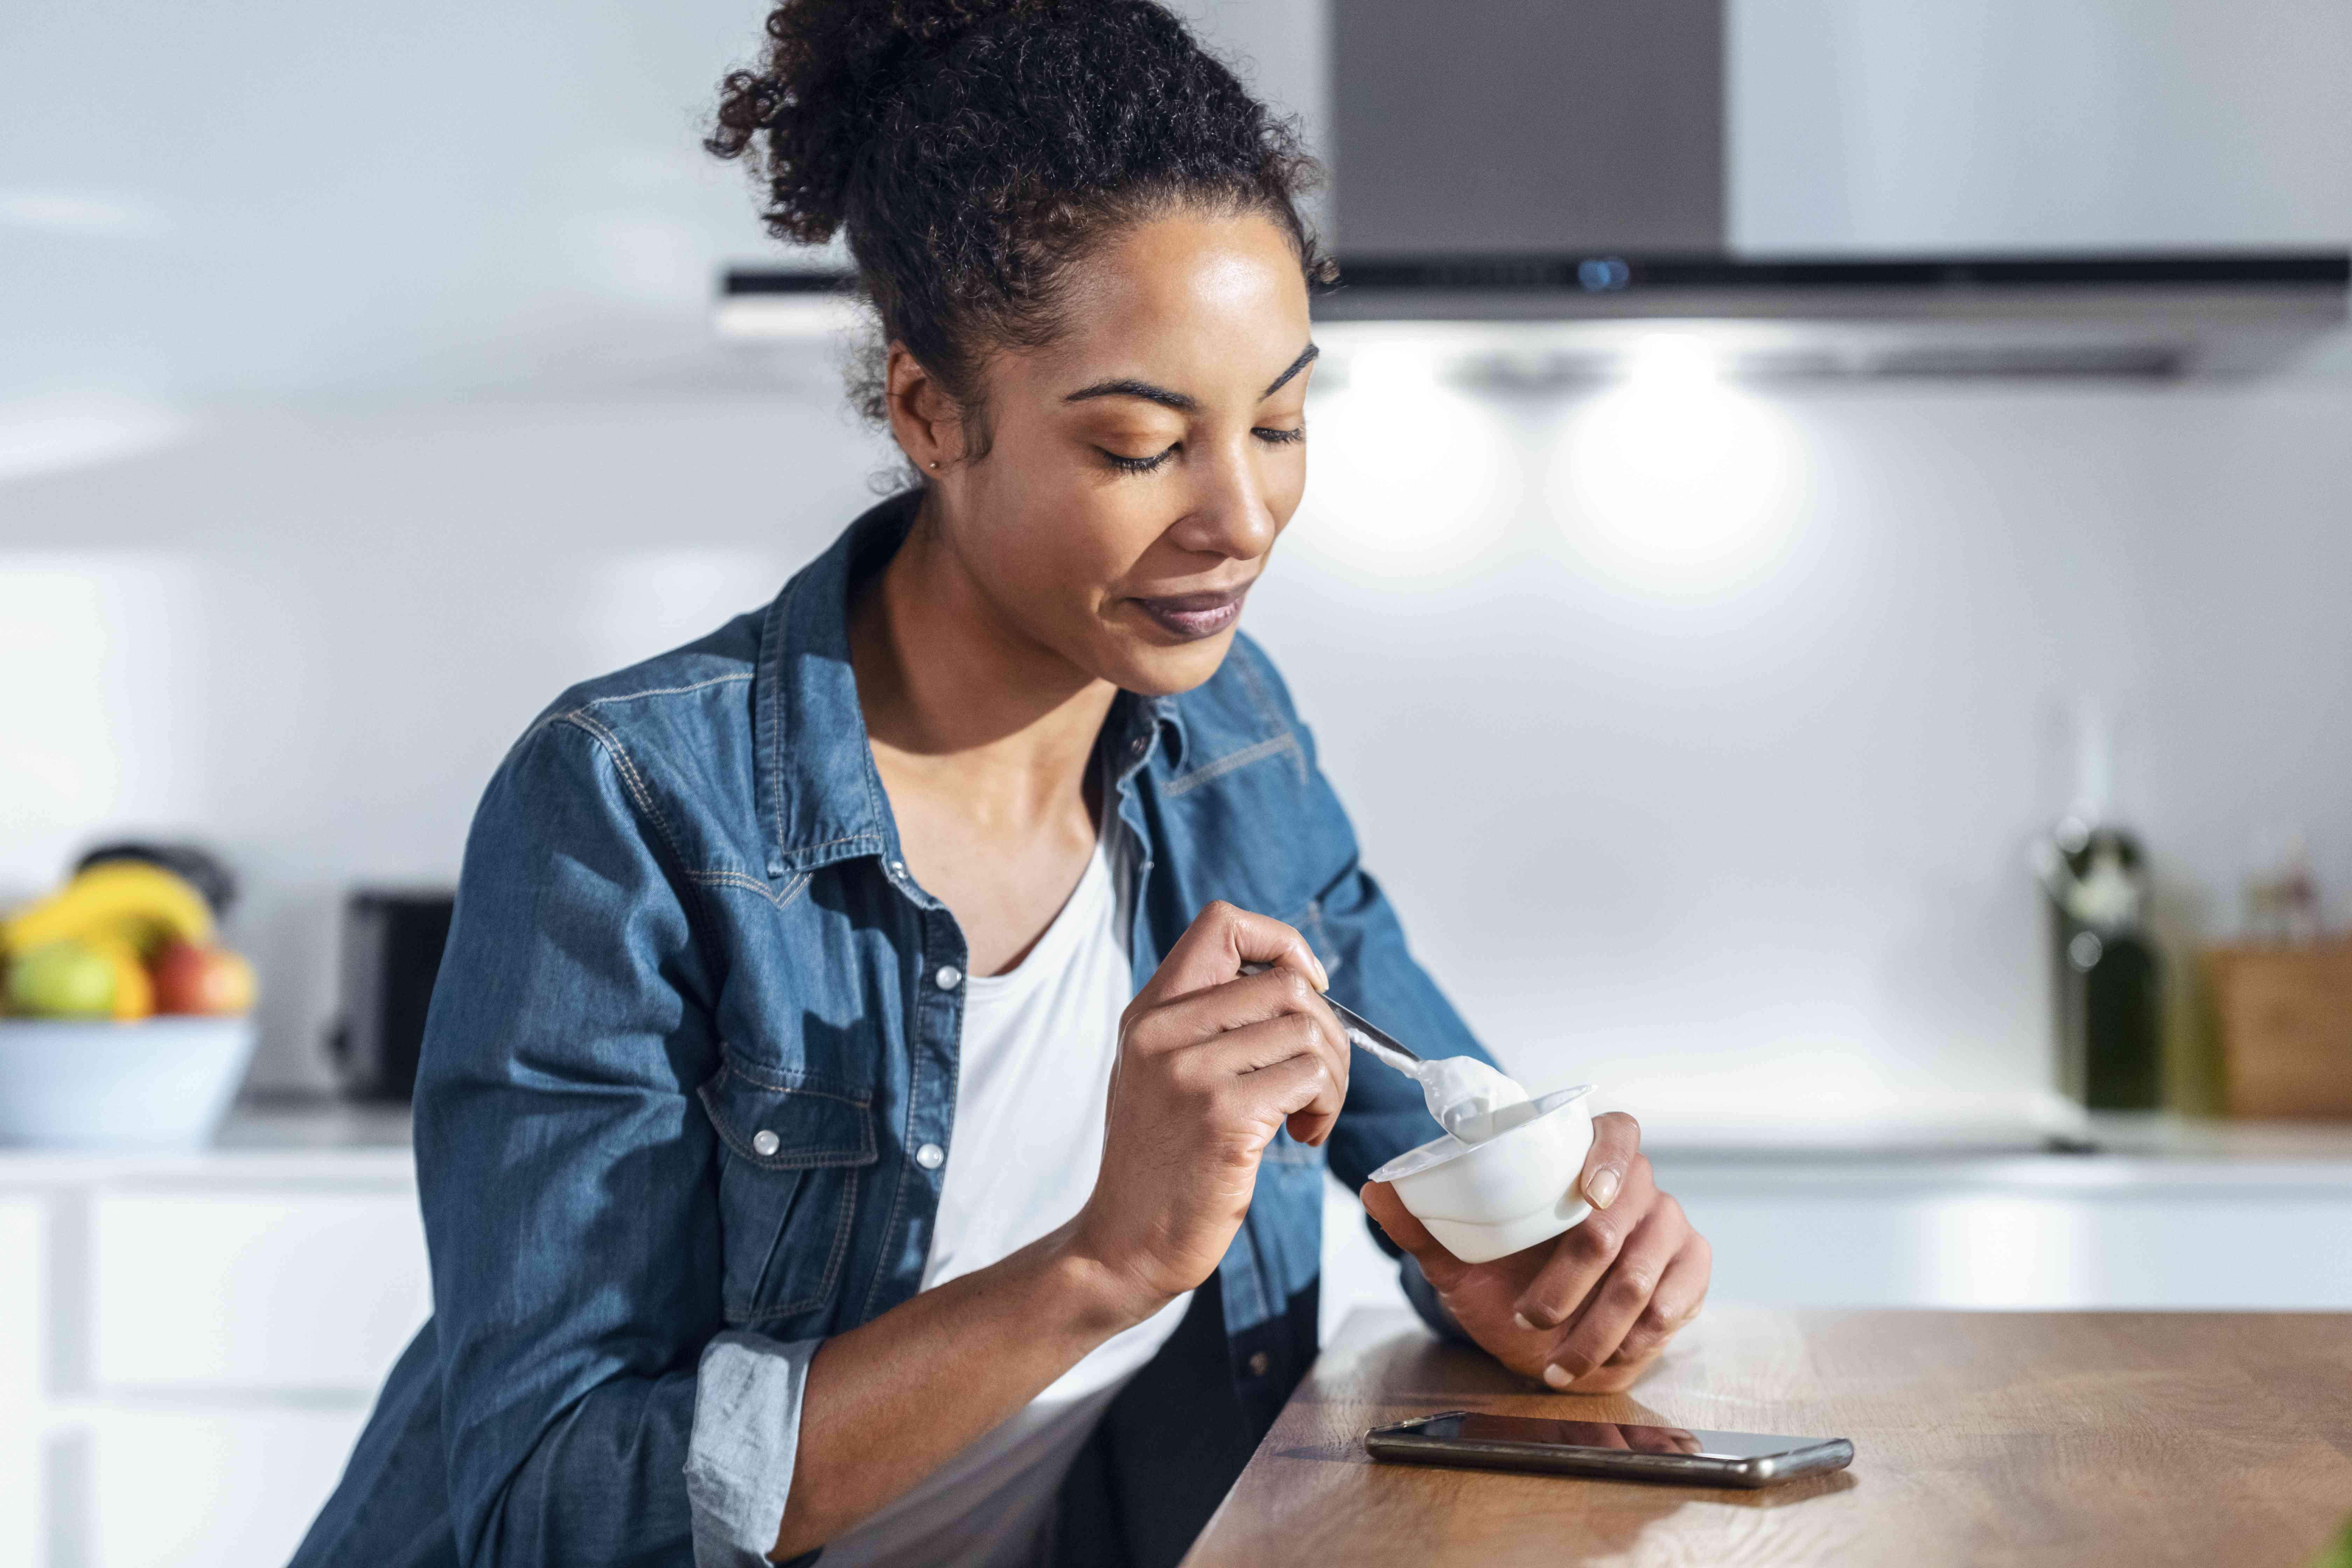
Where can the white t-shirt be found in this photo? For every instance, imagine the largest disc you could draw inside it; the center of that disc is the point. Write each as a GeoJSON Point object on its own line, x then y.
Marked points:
{"type": "Point", "coordinates": [1036, 1054]}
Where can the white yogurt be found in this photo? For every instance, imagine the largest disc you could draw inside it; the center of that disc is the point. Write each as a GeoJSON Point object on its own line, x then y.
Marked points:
{"type": "Point", "coordinates": [1466, 1095]}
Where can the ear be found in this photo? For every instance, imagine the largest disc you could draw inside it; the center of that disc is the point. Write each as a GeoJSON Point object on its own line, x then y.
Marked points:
{"type": "Point", "coordinates": [923, 417]}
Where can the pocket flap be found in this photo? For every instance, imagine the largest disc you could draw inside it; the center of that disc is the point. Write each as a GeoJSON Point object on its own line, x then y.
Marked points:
{"type": "Point", "coordinates": [782, 1127]}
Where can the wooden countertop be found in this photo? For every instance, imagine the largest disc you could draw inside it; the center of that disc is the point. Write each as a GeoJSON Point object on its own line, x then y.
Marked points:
{"type": "Point", "coordinates": [1979, 1437]}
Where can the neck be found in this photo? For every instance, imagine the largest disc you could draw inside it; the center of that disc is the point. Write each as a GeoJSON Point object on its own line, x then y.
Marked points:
{"type": "Point", "coordinates": [950, 689]}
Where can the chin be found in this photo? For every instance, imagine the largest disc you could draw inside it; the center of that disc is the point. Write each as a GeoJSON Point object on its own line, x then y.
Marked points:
{"type": "Point", "coordinates": [1157, 669]}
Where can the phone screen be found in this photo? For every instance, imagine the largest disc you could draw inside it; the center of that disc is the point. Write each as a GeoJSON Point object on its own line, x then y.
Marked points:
{"type": "Point", "coordinates": [1620, 1435]}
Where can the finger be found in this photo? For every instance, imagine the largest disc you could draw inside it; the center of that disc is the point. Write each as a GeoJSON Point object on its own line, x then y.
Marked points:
{"type": "Point", "coordinates": [1252, 1047]}
{"type": "Point", "coordinates": [1247, 1053]}
{"type": "Point", "coordinates": [1388, 1211]}
{"type": "Point", "coordinates": [1580, 1256]}
{"type": "Point", "coordinates": [1680, 1291]}
{"type": "Point", "coordinates": [1266, 1097]}
{"type": "Point", "coordinates": [1273, 992]}
{"type": "Point", "coordinates": [1221, 939]}
{"type": "Point", "coordinates": [1623, 1296]}
{"type": "Point", "coordinates": [1204, 1026]}
{"type": "Point", "coordinates": [1624, 1370]}
{"type": "Point", "coordinates": [1616, 1143]}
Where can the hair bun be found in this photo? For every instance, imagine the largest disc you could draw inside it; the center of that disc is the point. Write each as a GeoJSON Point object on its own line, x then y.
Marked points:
{"type": "Point", "coordinates": [973, 152]}
{"type": "Point", "coordinates": [825, 85]}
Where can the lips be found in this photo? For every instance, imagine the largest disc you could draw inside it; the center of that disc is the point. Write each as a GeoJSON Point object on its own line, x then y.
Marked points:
{"type": "Point", "coordinates": [1192, 617]}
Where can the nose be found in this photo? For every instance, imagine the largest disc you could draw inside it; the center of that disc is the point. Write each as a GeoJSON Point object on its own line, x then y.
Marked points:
{"type": "Point", "coordinates": [1229, 515]}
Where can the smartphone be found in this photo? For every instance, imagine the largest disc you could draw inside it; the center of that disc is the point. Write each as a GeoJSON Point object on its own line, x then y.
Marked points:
{"type": "Point", "coordinates": [1612, 1449]}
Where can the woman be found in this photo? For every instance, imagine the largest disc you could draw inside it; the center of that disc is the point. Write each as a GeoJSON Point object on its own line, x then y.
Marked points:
{"type": "Point", "coordinates": [845, 1121]}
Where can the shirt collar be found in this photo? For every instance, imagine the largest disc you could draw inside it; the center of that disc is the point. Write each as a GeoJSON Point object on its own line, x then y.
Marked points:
{"type": "Point", "coordinates": [819, 797]}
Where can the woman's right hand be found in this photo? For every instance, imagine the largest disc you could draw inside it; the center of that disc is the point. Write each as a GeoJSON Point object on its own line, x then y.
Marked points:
{"type": "Point", "coordinates": [1212, 1063]}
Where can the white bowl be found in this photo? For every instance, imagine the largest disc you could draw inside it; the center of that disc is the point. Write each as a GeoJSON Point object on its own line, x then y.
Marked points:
{"type": "Point", "coordinates": [1485, 1200]}
{"type": "Point", "coordinates": [90, 1083]}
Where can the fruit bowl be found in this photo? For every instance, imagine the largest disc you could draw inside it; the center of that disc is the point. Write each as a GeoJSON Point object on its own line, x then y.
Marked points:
{"type": "Point", "coordinates": [162, 1082]}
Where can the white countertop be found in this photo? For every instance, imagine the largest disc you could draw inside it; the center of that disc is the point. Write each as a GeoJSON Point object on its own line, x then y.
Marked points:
{"type": "Point", "coordinates": [323, 1142]}
{"type": "Point", "coordinates": [328, 1141]}
{"type": "Point", "coordinates": [2120, 1150]}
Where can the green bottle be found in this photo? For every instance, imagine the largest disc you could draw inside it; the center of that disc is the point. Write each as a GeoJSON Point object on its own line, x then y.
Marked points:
{"type": "Point", "coordinates": [2105, 971]}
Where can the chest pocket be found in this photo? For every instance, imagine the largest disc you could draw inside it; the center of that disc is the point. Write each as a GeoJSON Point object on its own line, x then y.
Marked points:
{"type": "Point", "coordinates": [788, 1176]}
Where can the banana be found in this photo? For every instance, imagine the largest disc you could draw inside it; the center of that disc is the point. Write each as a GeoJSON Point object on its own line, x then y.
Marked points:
{"type": "Point", "coordinates": [134, 991]}
{"type": "Point", "coordinates": [126, 901]}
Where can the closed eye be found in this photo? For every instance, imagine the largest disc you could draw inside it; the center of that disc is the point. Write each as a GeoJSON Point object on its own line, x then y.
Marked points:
{"type": "Point", "coordinates": [1271, 436]}
{"type": "Point", "coordinates": [1126, 465]}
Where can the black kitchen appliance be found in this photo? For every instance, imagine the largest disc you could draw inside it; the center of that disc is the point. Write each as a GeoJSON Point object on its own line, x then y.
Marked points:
{"type": "Point", "coordinates": [390, 952]}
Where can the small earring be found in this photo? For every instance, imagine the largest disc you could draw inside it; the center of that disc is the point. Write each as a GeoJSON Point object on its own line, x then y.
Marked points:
{"type": "Point", "coordinates": [935, 463]}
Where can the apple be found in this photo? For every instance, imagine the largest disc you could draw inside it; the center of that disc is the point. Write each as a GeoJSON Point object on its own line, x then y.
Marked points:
{"type": "Point", "coordinates": [191, 978]}
{"type": "Point", "coordinates": [61, 980]}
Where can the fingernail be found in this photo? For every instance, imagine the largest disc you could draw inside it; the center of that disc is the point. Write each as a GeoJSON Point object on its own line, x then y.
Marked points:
{"type": "Point", "coordinates": [1524, 1321]}
{"type": "Point", "coordinates": [1602, 1188]}
{"type": "Point", "coordinates": [1322, 975]}
{"type": "Point", "coordinates": [1557, 1375]}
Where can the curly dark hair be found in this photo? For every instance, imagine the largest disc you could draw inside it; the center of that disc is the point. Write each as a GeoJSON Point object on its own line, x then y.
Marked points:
{"type": "Point", "coordinates": [973, 151]}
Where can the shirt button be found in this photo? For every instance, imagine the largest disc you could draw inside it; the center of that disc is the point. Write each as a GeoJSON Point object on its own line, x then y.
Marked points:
{"type": "Point", "coordinates": [1260, 1364]}
{"type": "Point", "coordinates": [764, 1142]}
{"type": "Point", "coordinates": [897, 868]}
{"type": "Point", "coordinates": [948, 978]}
{"type": "Point", "coordinates": [1142, 745]}
{"type": "Point", "coordinates": [931, 1156]}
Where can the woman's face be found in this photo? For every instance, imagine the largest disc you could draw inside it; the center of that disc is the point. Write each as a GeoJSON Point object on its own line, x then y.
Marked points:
{"type": "Point", "coordinates": [1140, 466]}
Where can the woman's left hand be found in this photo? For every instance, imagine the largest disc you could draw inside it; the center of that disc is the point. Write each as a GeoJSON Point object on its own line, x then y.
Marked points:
{"type": "Point", "coordinates": [1592, 1309]}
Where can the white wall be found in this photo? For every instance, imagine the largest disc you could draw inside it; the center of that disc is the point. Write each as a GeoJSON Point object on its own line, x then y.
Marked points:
{"type": "Point", "coordinates": [1725, 839]}
{"type": "Point", "coordinates": [1694, 833]}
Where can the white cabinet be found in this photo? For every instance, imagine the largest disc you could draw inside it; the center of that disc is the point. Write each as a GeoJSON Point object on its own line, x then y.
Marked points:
{"type": "Point", "coordinates": [190, 1344]}
{"type": "Point", "coordinates": [24, 1301]}
{"type": "Point", "coordinates": [169, 1488]}
{"type": "Point", "coordinates": [274, 1288]}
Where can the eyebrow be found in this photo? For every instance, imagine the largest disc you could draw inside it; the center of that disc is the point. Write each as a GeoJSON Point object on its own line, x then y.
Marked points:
{"type": "Point", "coordinates": [1132, 388]}
{"type": "Point", "coordinates": [1305, 358]}
{"type": "Point", "coordinates": [1127, 386]}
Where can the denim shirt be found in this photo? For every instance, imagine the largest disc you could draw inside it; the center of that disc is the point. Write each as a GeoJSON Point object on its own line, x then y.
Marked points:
{"type": "Point", "coordinates": [689, 1083]}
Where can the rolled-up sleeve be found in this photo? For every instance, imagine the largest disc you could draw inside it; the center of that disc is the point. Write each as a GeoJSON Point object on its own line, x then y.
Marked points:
{"type": "Point", "coordinates": [595, 1409]}
{"type": "Point", "coordinates": [746, 1426]}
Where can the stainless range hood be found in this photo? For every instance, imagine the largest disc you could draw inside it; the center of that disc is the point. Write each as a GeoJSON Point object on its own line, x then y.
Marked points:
{"type": "Point", "coordinates": [1546, 182]}
{"type": "Point", "coordinates": [1572, 316]}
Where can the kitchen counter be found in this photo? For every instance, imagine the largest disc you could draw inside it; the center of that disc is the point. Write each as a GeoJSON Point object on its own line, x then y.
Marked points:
{"type": "Point", "coordinates": [2162, 1212]}
{"type": "Point", "coordinates": [2124, 1439]}
{"type": "Point", "coordinates": [274, 1141]}
{"type": "Point", "coordinates": [2124, 1147]}
{"type": "Point", "coordinates": [2121, 1150]}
